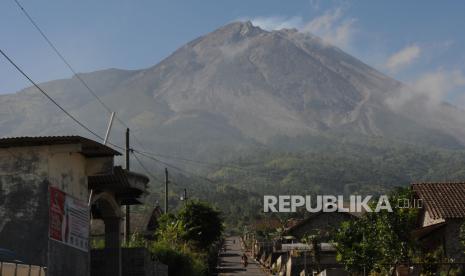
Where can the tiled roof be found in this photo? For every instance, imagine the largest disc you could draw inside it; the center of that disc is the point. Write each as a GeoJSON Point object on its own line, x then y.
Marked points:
{"type": "Point", "coordinates": [90, 147]}
{"type": "Point", "coordinates": [442, 200]}
{"type": "Point", "coordinates": [143, 222]}
{"type": "Point", "coordinates": [302, 222]}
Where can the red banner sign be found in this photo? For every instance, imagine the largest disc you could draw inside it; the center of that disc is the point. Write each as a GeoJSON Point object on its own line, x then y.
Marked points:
{"type": "Point", "coordinates": [69, 220]}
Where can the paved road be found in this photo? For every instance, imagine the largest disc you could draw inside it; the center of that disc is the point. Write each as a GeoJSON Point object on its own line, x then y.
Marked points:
{"type": "Point", "coordinates": [230, 261]}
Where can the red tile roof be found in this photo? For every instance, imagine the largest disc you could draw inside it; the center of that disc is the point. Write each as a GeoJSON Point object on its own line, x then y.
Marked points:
{"type": "Point", "coordinates": [442, 200]}
{"type": "Point", "coordinates": [312, 216]}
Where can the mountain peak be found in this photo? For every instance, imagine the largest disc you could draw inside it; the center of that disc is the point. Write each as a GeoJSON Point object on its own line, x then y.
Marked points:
{"type": "Point", "coordinates": [248, 26]}
{"type": "Point", "coordinates": [246, 83]}
{"type": "Point", "coordinates": [240, 24]}
{"type": "Point", "coordinates": [242, 28]}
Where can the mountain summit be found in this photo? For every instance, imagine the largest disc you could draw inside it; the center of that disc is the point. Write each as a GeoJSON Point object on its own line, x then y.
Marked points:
{"type": "Point", "coordinates": [239, 85]}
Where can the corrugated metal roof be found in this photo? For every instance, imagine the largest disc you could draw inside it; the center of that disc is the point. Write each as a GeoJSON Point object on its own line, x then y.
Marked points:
{"type": "Point", "coordinates": [442, 200]}
{"type": "Point", "coordinates": [90, 147]}
{"type": "Point", "coordinates": [128, 186]}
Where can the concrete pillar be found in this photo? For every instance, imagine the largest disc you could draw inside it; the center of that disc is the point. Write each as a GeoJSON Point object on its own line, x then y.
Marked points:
{"type": "Point", "coordinates": [113, 246]}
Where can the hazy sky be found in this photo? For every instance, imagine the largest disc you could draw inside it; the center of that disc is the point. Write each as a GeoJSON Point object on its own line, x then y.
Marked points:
{"type": "Point", "coordinates": [419, 42]}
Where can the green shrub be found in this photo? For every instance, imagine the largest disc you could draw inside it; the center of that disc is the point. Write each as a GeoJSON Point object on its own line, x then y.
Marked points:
{"type": "Point", "coordinates": [180, 261]}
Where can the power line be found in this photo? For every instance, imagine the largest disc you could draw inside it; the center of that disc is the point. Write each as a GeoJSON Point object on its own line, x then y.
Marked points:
{"type": "Point", "coordinates": [82, 124]}
{"type": "Point", "coordinates": [72, 116]}
{"type": "Point", "coordinates": [210, 165]}
{"type": "Point", "coordinates": [54, 101]}
{"type": "Point", "coordinates": [60, 55]}
{"type": "Point", "coordinates": [144, 153]}
{"type": "Point", "coordinates": [172, 166]}
{"type": "Point", "coordinates": [49, 97]}
{"type": "Point", "coordinates": [169, 165]}
{"type": "Point", "coordinates": [70, 67]}
{"type": "Point", "coordinates": [146, 170]}
{"type": "Point", "coordinates": [107, 108]}
{"type": "Point", "coordinates": [66, 62]}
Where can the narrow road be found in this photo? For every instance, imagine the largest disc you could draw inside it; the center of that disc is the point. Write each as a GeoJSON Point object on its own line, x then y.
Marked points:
{"type": "Point", "coordinates": [230, 261]}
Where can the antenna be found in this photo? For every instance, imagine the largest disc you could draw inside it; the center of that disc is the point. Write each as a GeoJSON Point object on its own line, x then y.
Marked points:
{"type": "Point", "coordinates": [110, 123]}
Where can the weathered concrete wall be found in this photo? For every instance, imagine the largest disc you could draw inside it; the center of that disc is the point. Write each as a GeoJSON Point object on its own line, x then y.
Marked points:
{"type": "Point", "coordinates": [427, 220]}
{"type": "Point", "coordinates": [99, 165]}
{"type": "Point", "coordinates": [24, 203]}
{"type": "Point", "coordinates": [25, 176]}
{"type": "Point", "coordinates": [453, 247]}
{"type": "Point", "coordinates": [67, 171]}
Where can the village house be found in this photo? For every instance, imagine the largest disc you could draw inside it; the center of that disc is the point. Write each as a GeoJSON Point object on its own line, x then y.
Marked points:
{"type": "Point", "coordinates": [143, 222]}
{"type": "Point", "coordinates": [289, 255]}
{"type": "Point", "coordinates": [440, 218]}
{"type": "Point", "coordinates": [310, 262]}
{"type": "Point", "coordinates": [50, 189]}
{"type": "Point", "coordinates": [320, 224]}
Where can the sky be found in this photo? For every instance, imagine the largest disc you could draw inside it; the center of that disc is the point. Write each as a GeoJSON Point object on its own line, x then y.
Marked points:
{"type": "Point", "coordinates": [421, 43]}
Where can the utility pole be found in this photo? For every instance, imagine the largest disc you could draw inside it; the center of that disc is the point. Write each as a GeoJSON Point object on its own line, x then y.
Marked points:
{"type": "Point", "coordinates": [166, 190]}
{"type": "Point", "coordinates": [184, 196]}
{"type": "Point", "coordinates": [127, 226]}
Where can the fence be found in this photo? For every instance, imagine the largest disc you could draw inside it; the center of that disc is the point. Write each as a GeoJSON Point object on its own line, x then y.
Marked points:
{"type": "Point", "coordinates": [14, 269]}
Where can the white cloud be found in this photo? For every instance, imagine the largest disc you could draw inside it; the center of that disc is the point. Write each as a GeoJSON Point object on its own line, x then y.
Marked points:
{"type": "Point", "coordinates": [431, 88]}
{"type": "Point", "coordinates": [331, 26]}
{"type": "Point", "coordinates": [402, 58]}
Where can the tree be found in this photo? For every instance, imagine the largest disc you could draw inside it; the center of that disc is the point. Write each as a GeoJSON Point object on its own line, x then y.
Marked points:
{"type": "Point", "coordinates": [356, 245]}
{"type": "Point", "coordinates": [184, 241]}
{"type": "Point", "coordinates": [377, 241]}
{"type": "Point", "coordinates": [172, 232]}
{"type": "Point", "coordinates": [202, 223]}
{"type": "Point", "coordinates": [395, 228]}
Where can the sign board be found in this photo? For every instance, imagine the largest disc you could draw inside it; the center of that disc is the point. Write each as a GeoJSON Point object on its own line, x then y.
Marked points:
{"type": "Point", "coordinates": [68, 220]}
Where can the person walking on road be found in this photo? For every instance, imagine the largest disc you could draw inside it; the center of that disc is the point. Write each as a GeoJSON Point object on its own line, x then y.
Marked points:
{"type": "Point", "coordinates": [235, 261]}
{"type": "Point", "coordinates": [244, 260]}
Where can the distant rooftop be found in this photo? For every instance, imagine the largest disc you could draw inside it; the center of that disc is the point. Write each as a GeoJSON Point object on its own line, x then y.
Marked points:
{"type": "Point", "coordinates": [442, 200]}
{"type": "Point", "coordinates": [90, 148]}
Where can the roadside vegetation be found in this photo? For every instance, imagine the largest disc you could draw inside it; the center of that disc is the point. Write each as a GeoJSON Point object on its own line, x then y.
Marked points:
{"type": "Point", "coordinates": [374, 243]}
{"type": "Point", "coordinates": [188, 241]}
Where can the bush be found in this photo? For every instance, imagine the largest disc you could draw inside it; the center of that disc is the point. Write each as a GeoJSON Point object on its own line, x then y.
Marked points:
{"type": "Point", "coordinates": [203, 224]}
{"type": "Point", "coordinates": [180, 261]}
